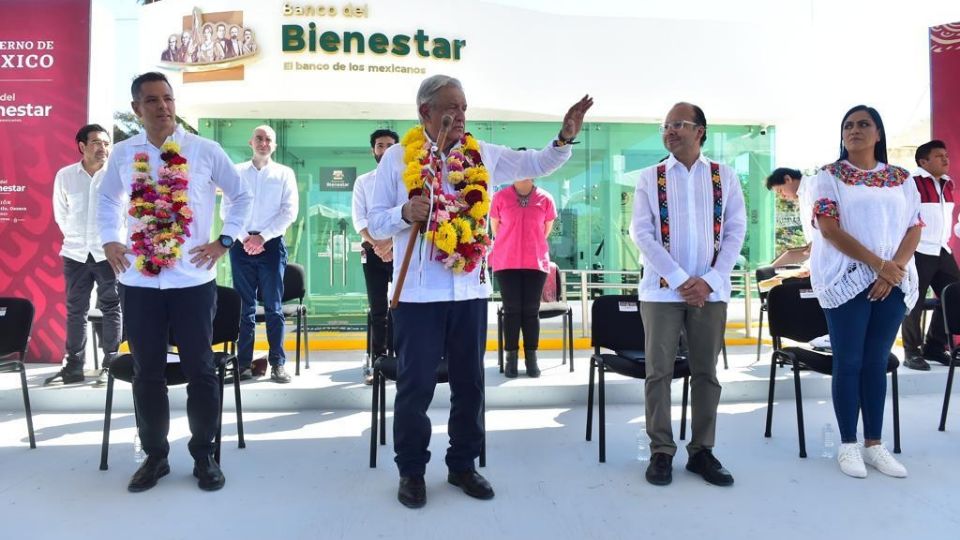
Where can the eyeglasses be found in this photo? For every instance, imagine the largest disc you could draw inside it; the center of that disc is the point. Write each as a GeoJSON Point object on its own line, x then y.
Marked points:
{"type": "Point", "coordinates": [677, 126]}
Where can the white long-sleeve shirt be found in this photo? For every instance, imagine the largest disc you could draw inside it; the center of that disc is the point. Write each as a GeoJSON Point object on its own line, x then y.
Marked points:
{"type": "Point", "coordinates": [805, 208]}
{"type": "Point", "coordinates": [428, 280]}
{"type": "Point", "coordinates": [362, 196]}
{"type": "Point", "coordinates": [690, 208]}
{"type": "Point", "coordinates": [936, 210]}
{"type": "Point", "coordinates": [208, 168]}
{"type": "Point", "coordinates": [276, 199]}
{"type": "Point", "coordinates": [75, 211]}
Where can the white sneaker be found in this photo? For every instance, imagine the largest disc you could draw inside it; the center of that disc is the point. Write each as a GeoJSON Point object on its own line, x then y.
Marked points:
{"type": "Point", "coordinates": [881, 459]}
{"type": "Point", "coordinates": [851, 461]}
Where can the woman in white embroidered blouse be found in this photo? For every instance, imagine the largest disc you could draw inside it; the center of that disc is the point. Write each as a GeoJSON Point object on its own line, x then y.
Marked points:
{"type": "Point", "coordinates": [863, 274]}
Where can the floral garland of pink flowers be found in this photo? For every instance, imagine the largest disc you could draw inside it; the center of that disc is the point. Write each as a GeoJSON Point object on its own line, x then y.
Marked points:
{"type": "Point", "coordinates": [458, 228]}
{"type": "Point", "coordinates": [160, 208]}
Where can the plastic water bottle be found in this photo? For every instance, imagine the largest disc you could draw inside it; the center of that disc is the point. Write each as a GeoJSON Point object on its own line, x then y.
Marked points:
{"type": "Point", "coordinates": [138, 454]}
{"type": "Point", "coordinates": [829, 442]}
{"type": "Point", "coordinates": [643, 446]}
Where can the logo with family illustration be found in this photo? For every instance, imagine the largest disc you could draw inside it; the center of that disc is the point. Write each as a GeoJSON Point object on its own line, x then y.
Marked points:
{"type": "Point", "coordinates": [210, 42]}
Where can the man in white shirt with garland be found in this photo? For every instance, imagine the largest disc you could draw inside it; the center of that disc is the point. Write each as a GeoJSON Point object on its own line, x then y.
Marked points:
{"type": "Point", "coordinates": [259, 258]}
{"type": "Point", "coordinates": [936, 266]}
{"type": "Point", "coordinates": [442, 312]}
{"type": "Point", "coordinates": [166, 268]}
{"type": "Point", "coordinates": [689, 222]}
{"type": "Point", "coordinates": [75, 191]}
{"type": "Point", "coordinates": [377, 254]}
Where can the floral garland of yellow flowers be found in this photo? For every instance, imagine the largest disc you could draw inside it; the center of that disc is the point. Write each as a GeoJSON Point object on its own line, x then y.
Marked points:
{"type": "Point", "coordinates": [458, 225]}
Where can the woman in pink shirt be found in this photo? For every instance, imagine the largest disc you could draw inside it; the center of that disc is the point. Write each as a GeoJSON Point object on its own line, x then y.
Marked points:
{"type": "Point", "coordinates": [521, 217]}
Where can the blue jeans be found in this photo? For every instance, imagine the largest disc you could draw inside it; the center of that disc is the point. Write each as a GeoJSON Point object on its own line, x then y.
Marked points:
{"type": "Point", "coordinates": [861, 335]}
{"type": "Point", "coordinates": [263, 272]}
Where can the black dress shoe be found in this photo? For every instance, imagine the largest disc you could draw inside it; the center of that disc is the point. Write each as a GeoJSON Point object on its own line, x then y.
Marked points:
{"type": "Point", "coordinates": [510, 366]}
{"type": "Point", "coordinates": [660, 470]}
{"type": "Point", "coordinates": [943, 357]}
{"type": "Point", "coordinates": [153, 469]}
{"type": "Point", "coordinates": [530, 359]}
{"type": "Point", "coordinates": [709, 467]}
{"type": "Point", "coordinates": [68, 375]}
{"type": "Point", "coordinates": [208, 473]}
{"type": "Point", "coordinates": [412, 492]}
{"type": "Point", "coordinates": [917, 363]}
{"type": "Point", "coordinates": [472, 484]}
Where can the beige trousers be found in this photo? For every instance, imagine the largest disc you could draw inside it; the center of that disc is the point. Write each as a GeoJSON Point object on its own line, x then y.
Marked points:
{"type": "Point", "coordinates": [704, 327]}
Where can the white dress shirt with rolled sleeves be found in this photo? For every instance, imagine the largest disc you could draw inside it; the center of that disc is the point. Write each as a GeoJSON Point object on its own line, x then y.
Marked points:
{"type": "Point", "coordinates": [75, 211]}
{"type": "Point", "coordinates": [208, 168]}
{"type": "Point", "coordinates": [428, 280]}
{"type": "Point", "coordinates": [690, 208]}
{"type": "Point", "coordinates": [276, 199]}
{"type": "Point", "coordinates": [362, 195]}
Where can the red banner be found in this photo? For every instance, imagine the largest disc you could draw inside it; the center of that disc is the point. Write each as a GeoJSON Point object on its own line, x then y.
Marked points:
{"type": "Point", "coordinates": [44, 66]}
{"type": "Point", "coordinates": [944, 105]}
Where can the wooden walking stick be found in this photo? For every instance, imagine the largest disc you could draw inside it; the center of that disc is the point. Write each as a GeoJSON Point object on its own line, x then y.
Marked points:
{"type": "Point", "coordinates": [417, 226]}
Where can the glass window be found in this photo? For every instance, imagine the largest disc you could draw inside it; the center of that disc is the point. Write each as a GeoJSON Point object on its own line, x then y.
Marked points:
{"type": "Point", "coordinates": [593, 192]}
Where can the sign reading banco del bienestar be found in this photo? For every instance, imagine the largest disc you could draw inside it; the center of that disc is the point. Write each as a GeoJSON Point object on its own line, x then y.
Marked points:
{"type": "Point", "coordinates": [312, 37]}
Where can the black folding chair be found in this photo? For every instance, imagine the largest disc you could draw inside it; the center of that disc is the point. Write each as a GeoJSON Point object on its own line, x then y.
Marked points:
{"type": "Point", "coordinates": [616, 326]}
{"type": "Point", "coordinates": [795, 314]}
{"type": "Point", "coordinates": [929, 304]}
{"type": "Point", "coordinates": [763, 273]}
{"type": "Point", "coordinates": [294, 288]}
{"type": "Point", "coordinates": [226, 331]}
{"type": "Point", "coordinates": [16, 323]}
{"type": "Point", "coordinates": [95, 318]}
{"type": "Point", "coordinates": [385, 369]}
{"type": "Point", "coordinates": [549, 308]}
{"type": "Point", "coordinates": [369, 359]}
{"type": "Point", "coordinates": [950, 300]}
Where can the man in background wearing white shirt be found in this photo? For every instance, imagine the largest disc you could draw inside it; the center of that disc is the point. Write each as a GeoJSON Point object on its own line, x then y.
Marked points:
{"type": "Point", "coordinates": [259, 260]}
{"type": "Point", "coordinates": [788, 185]}
{"type": "Point", "coordinates": [936, 266]}
{"type": "Point", "coordinates": [442, 313]}
{"type": "Point", "coordinates": [179, 296]}
{"type": "Point", "coordinates": [84, 264]}
{"type": "Point", "coordinates": [377, 254]}
{"type": "Point", "coordinates": [689, 222]}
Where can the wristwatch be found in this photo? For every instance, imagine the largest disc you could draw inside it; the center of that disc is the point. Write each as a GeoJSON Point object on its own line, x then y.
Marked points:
{"type": "Point", "coordinates": [561, 141]}
{"type": "Point", "coordinates": [225, 241]}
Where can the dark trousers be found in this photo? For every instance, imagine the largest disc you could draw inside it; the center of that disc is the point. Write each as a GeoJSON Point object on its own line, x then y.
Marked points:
{"type": "Point", "coordinates": [377, 274]}
{"type": "Point", "coordinates": [937, 272]}
{"type": "Point", "coordinates": [264, 272]}
{"type": "Point", "coordinates": [521, 291]}
{"type": "Point", "coordinates": [149, 316]}
{"type": "Point", "coordinates": [424, 334]}
{"type": "Point", "coordinates": [80, 278]}
{"type": "Point", "coordinates": [861, 335]}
